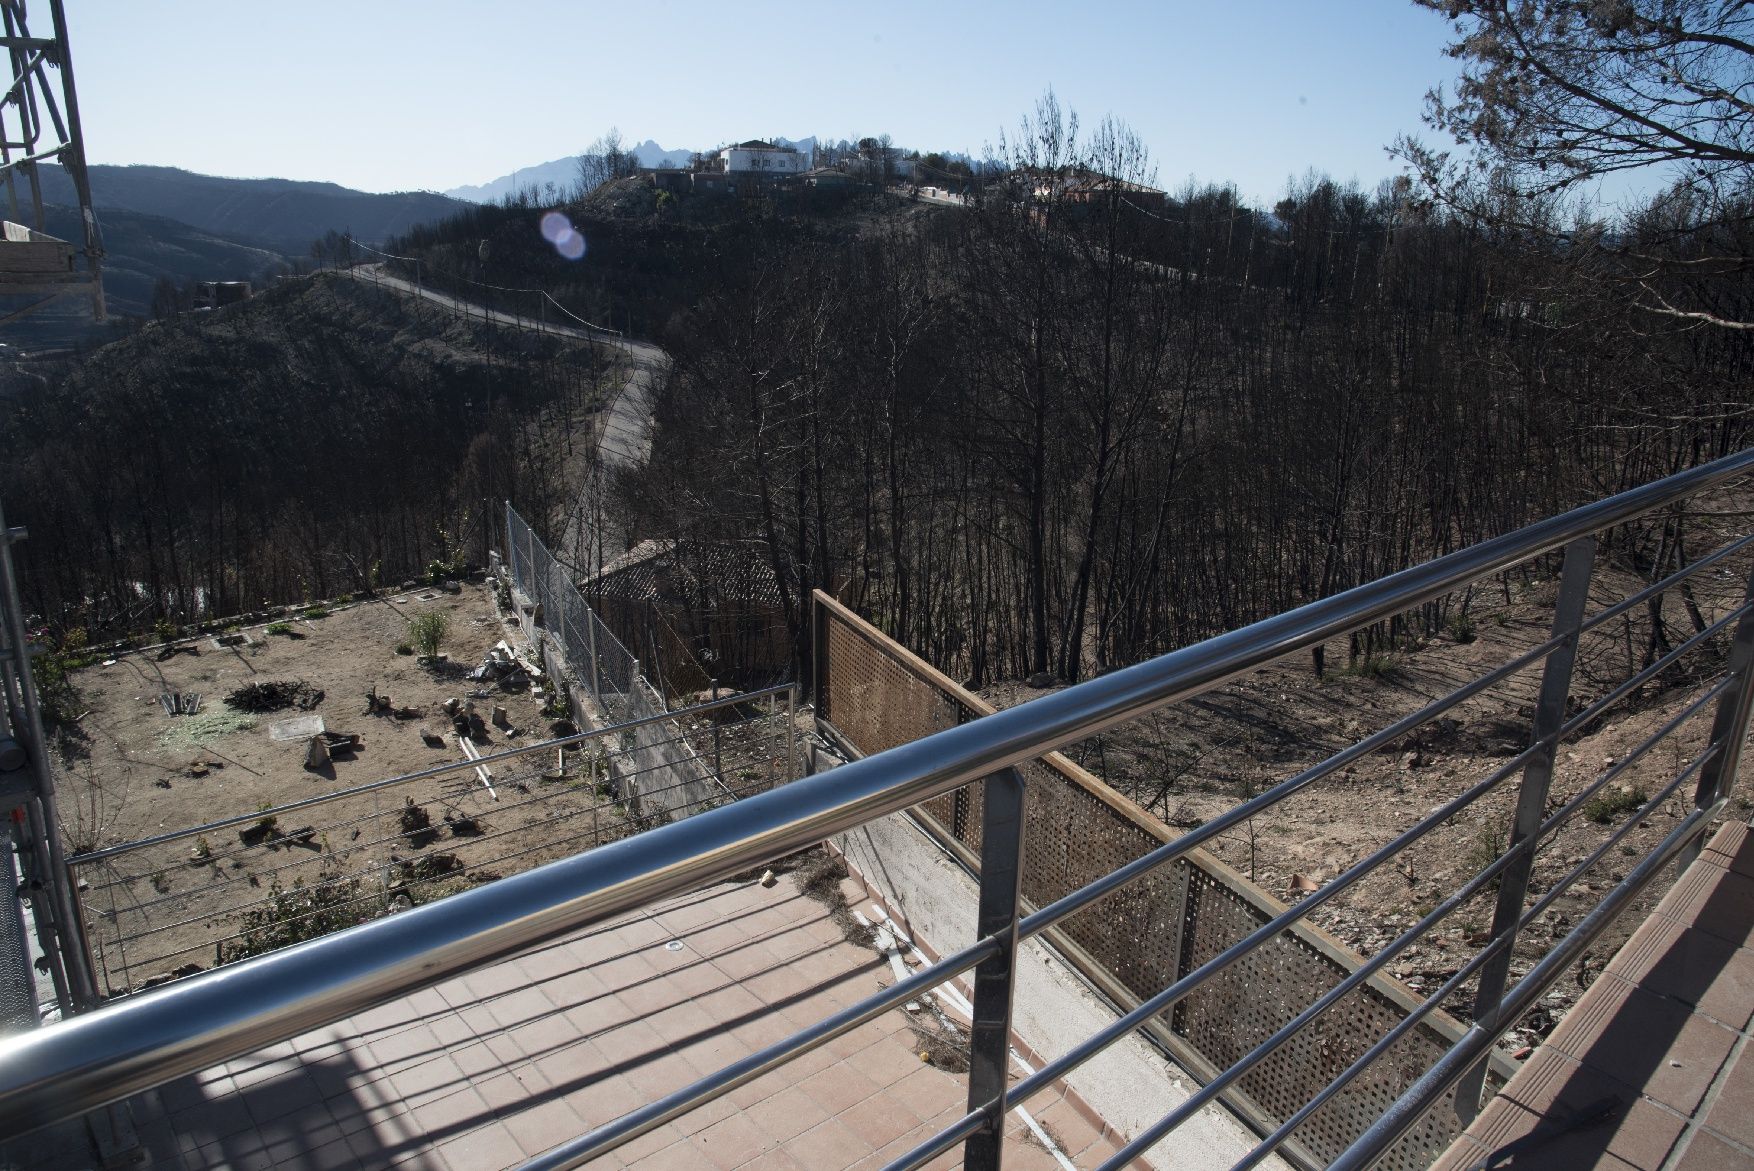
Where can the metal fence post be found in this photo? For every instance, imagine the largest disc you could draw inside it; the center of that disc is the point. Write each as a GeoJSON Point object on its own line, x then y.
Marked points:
{"type": "Point", "coordinates": [1513, 886]}
{"type": "Point", "coordinates": [792, 769]}
{"type": "Point", "coordinates": [596, 671]}
{"type": "Point", "coordinates": [1730, 723]}
{"type": "Point", "coordinates": [819, 657]}
{"type": "Point", "coordinates": [718, 755]}
{"type": "Point", "coordinates": [994, 979]}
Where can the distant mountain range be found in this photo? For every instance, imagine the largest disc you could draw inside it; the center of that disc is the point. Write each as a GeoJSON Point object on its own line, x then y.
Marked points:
{"type": "Point", "coordinates": [283, 215]}
{"type": "Point", "coordinates": [563, 174]}
{"type": "Point", "coordinates": [165, 223]}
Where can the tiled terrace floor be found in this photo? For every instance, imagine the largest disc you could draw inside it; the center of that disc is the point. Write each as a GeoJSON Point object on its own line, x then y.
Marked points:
{"type": "Point", "coordinates": [1652, 1069]}
{"type": "Point", "coordinates": [488, 1069]}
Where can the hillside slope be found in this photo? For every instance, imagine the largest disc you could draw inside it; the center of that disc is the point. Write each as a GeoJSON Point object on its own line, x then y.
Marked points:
{"type": "Point", "coordinates": [303, 443]}
{"type": "Point", "coordinates": [283, 215]}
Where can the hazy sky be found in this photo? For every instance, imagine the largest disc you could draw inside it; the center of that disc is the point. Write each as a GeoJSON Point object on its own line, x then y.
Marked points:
{"type": "Point", "coordinates": [397, 94]}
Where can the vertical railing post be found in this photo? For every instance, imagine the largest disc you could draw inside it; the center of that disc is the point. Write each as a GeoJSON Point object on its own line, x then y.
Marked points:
{"type": "Point", "coordinates": [1513, 883]}
{"type": "Point", "coordinates": [792, 769]}
{"type": "Point", "coordinates": [718, 747]}
{"type": "Point", "coordinates": [995, 978]}
{"type": "Point", "coordinates": [1729, 727]}
{"type": "Point", "coordinates": [819, 657]}
{"type": "Point", "coordinates": [596, 671]}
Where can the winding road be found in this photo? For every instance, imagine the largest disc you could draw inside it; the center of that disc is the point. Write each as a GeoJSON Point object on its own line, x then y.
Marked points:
{"type": "Point", "coordinates": [624, 439]}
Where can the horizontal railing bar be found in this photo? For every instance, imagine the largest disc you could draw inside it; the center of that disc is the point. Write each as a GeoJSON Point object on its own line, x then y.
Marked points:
{"type": "Point", "coordinates": [1674, 579]}
{"type": "Point", "coordinates": [630, 1126]}
{"type": "Point", "coordinates": [1100, 1040]}
{"type": "Point", "coordinates": [1564, 882]}
{"type": "Point", "coordinates": [1346, 1077]}
{"type": "Point", "coordinates": [1415, 1016]}
{"type": "Point", "coordinates": [208, 917]}
{"type": "Point", "coordinates": [1147, 1138]}
{"type": "Point", "coordinates": [100, 1057]}
{"type": "Point", "coordinates": [420, 775]}
{"type": "Point", "coordinates": [1645, 676]}
{"type": "Point", "coordinates": [1168, 852]}
{"type": "Point", "coordinates": [956, 1132]}
{"type": "Point", "coordinates": [1563, 814]}
{"type": "Point", "coordinates": [1406, 1110]}
{"type": "Point", "coordinates": [470, 843]}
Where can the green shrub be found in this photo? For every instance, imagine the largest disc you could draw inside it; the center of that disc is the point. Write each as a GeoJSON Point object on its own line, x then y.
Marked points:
{"type": "Point", "coordinates": [279, 628]}
{"type": "Point", "coordinates": [1605, 807]}
{"type": "Point", "coordinates": [305, 912]}
{"type": "Point", "coordinates": [428, 631]}
{"type": "Point", "coordinates": [312, 613]}
{"type": "Point", "coordinates": [1375, 666]}
{"type": "Point", "coordinates": [1461, 627]}
{"type": "Point", "coordinates": [1488, 844]}
{"type": "Point", "coordinates": [403, 648]}
{"type": "Point", "coordinates": [343, 599]}
{"type": "Point", "coordinates": [164, 630]}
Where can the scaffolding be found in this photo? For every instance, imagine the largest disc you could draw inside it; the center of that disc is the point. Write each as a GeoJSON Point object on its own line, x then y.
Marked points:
{"type": "Point", "coordinates": [39, 123]}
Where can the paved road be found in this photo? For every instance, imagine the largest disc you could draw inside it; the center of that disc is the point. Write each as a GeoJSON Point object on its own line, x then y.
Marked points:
{"type": "Point", "coordinates": [625, 440]}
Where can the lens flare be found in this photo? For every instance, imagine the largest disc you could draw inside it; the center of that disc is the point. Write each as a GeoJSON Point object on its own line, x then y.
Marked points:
{"type": "Point", "coordinates": [570, 245]}
{"type": "Point", "coordinates": [554, 226]}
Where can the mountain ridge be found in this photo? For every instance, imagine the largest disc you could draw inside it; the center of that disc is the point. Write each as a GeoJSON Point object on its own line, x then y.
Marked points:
{"type": "Point", "coordinates": [282, 215]}
{"type": "Point", "coordinates": [563, 172]}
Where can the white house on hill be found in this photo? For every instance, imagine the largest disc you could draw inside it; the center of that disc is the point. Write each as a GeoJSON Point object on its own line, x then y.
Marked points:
{"type": "Point", "coordinates": [763, 158]}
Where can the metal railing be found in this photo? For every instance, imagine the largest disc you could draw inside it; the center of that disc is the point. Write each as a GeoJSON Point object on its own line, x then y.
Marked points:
{"type": "Point", "coordinates": [150, 1039]}
{"type": "Point", "coordinates": [873, 694]}
{"type": "Point", "coordinates": [166, 907]}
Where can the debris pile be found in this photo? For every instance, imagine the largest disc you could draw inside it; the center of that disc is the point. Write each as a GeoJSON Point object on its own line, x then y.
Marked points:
{"type": "Point", "coordinates": [274, 696]}
{"type": "Point", "coordinates": [502, 665]}
{"type": "Point", "coordinates": [180, 703]}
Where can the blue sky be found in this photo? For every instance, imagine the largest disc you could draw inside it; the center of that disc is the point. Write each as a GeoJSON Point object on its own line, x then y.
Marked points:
{"type": "Point", "coordinates": [395, 94]}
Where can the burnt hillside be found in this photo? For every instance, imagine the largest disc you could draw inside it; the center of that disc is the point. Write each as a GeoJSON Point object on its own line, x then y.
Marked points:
{"type": "Point", "coordinates": [308, 442]}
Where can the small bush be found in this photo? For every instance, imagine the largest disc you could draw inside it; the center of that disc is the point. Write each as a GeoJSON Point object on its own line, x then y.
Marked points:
{"type": "Point", "coordinates": [164, 630]}
{"type": "Point", "coordinates": [1461, 627]}
{"type": "Point", "coordinates": [1488, 844]}
{"type": "Point", "coordinates": [304, 912]}
{"type": "Point", "coordinates": [312, 613]}
{"type": "Point", "coordinates": [1605, 807]}
{"type": "Point", "coordinates": [403, 648]}
{"type": "Point", "coordinates": [279, 628]}
{"type": "Point", "coordinates": [1377, 666]}
{"type": "Point", "coordinates": [343, 599]}
{"type": "Point", "coordinates": [428, 631]}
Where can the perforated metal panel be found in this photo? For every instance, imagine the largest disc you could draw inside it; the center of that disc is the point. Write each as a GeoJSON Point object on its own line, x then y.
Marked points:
{"type": "Point", "coordinates": [1144, 937]}
{"type": "Point", "coordinates": [18, 993]}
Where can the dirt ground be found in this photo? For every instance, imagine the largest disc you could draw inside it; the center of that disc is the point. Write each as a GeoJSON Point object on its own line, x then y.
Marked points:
{"type": "Point", "coordinates": [132, 777]}
{"type": "Point", "coordinates": [1200, 758]}
{"type": "Point", "coordinates": [135, 772]}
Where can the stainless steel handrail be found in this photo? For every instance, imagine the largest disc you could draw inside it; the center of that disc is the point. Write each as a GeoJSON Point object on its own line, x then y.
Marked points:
{"type": "Point", "coordinates": [106, 1055]}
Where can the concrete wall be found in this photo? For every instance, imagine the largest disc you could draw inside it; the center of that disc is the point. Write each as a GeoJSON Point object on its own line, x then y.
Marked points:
{"type": "Point", "coordinates": [768, 162]}
{"type": "Point", "coordinates": [1129, 1086]}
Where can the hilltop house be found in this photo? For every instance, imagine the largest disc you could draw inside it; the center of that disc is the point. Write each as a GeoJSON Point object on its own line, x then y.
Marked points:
{"type": "Point", "coordinates": [763, 158]}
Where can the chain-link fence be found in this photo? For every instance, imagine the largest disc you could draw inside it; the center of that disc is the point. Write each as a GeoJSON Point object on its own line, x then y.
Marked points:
{"type": "Point", "coordinates": [595, 658]}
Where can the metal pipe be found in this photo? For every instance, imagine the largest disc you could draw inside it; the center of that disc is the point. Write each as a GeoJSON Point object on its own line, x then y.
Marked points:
{"type": "Point", "coordinates": [111, 1053]}
{"type": "Point", "coordinates": [995, 979]}
{"type": "Point", "coordinates": [74, 952]}
{"type": "Point", "coordinates": [1407, 1109]}
{"type": "Point", "coordinates": [1574, 588]}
